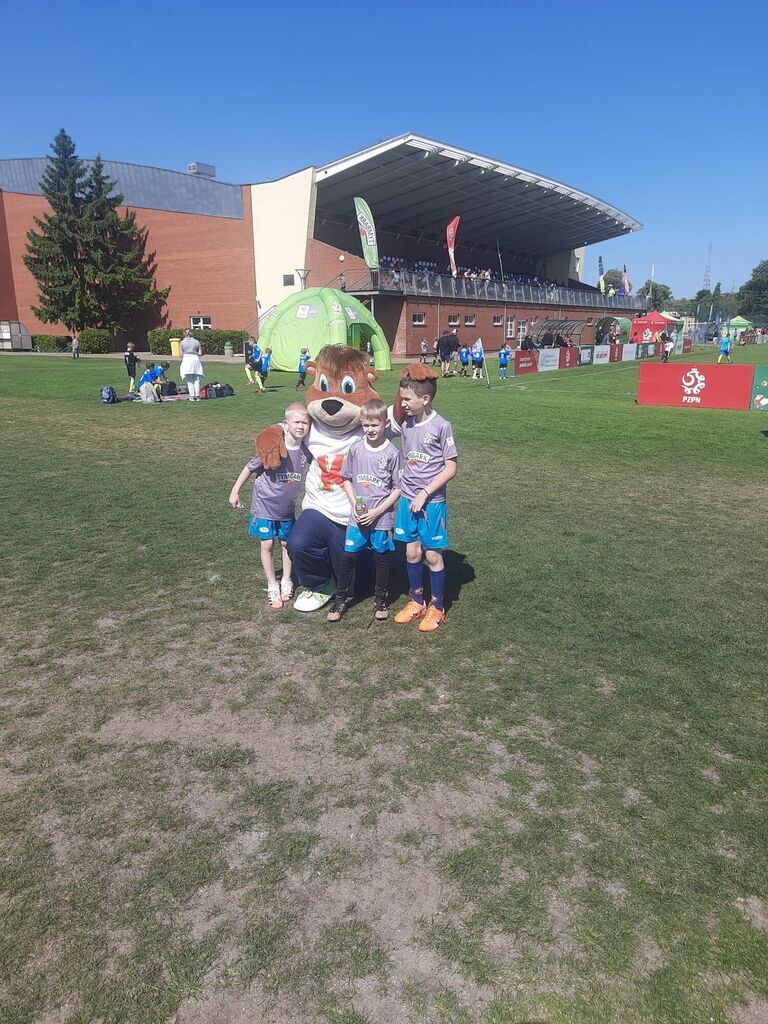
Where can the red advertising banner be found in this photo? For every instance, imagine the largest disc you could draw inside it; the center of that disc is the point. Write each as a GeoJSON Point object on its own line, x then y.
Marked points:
{"type": "Point", "coordinates": [687, 346]}
{"type": "Point", "coordinates": [568, 357]}
{"type": "Point", "coordinates": [686, 385]}
{"type": "Point", "coordinates": [615, 356]}
{"type": "Point", "coordinates": [450, 237]}
{"type": "Point", "coordinates": [526, 362]}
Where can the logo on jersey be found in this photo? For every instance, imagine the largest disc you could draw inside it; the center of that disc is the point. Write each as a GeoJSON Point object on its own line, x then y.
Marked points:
{"type": "Point", "coordinates": [413, 457]}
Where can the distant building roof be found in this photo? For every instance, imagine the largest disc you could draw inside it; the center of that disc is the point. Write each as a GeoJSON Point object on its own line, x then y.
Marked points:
{"type": "Point", "coordinates": [149, 188]}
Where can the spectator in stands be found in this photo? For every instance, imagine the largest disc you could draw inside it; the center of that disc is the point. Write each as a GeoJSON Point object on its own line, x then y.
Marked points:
{"type": "Point", "coordinates": [547, 339]}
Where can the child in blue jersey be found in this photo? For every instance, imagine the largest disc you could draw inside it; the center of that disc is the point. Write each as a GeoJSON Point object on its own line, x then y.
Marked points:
{"type": "Point", "coordinates": [430, 461]}
{"type": "Point", "coordinates": [252, 362]}
{"type": "Point", "coordinates": [266, 362]}
{"type": "Point", "coordinates": [504, 353]}
{"type": "Point", "coordinates": [148, 377]}
{"type": "Point", "coordinates": [304, 358]}
{"type": "Point", "coordinates": [464, 353]}
{"type": "Point", "coordinates": [725, 349]}
{"type": "Point", "coordinates": [371, 475]}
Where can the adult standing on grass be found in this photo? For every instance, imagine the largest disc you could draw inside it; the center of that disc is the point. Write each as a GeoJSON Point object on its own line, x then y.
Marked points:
{"type": "Point", "coordinates": [191, 369]}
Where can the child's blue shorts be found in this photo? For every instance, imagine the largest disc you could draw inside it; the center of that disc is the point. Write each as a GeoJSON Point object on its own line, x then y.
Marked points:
{"type": "Point", "coordinates": [268, 529]}
{"type": "Point", "coordinates": [430, 526]}
{"type": "Point", "coordinates": [377, 540]}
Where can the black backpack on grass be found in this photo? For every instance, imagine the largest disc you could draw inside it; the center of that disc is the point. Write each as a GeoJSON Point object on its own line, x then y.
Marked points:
{"type": "Point", "coordinates": [109, 395]}
{"type": "Point", "coordinates": [226, 391]}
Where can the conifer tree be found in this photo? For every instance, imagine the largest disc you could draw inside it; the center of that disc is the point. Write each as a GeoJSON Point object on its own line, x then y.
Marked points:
{"type": "Point", "coordinates": [90, 264]}
{"type": "Point", "coordinates": [120, 272]}
{"type": "Point", "coordinates": [54, 253]}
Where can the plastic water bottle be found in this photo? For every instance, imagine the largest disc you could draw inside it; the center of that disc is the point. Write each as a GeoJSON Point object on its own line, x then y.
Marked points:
{"type": "Point", "coordinates": [360, 506]}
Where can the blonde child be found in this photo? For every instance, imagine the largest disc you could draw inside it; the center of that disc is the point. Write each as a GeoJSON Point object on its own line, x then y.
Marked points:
{"type": "Point", "coordinates": [274, 498]}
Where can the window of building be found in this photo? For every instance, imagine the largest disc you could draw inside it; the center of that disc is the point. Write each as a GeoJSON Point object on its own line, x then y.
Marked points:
{"type": "Point", "coordinates": [453, 319]}
{"type": "Point", "coordinates": [510, 328]}
{"type": "Point", "coordinates": [497, 320]}
{"type": "Point", "coordinates": [521, 325]}
{"type": "Point", "coordinates": [200, 323]}
{"type": "Point", "coordinates": [469, 319]}
{"type": "Point", "coordinates": [288, 280]}
{"type": "Point", "coordinates": [419, 319]}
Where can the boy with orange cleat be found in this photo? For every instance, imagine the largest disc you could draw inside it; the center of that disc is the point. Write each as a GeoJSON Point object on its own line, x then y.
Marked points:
{"type": "Point", "coordinates": [429, 462]}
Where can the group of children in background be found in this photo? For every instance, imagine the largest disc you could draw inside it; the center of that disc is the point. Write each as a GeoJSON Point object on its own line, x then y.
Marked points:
{"type": "Point", "coordinates": [456, 359]}
{"type": "Point", "coordinates": [389, 495]}
{"type": "Point", "coordinates": [257, 364]}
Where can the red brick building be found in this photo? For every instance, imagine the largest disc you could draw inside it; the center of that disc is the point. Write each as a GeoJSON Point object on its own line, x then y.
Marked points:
{"type": "Point", "coordinates": [230, 252]}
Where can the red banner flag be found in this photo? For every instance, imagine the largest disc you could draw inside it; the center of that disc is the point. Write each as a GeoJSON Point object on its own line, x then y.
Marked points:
{"type": "Point", "coordinates": [450, 237]}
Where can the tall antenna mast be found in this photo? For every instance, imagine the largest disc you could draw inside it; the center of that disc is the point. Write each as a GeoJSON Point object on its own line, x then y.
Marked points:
{"type": "Point", "coordinates": [708, 271]}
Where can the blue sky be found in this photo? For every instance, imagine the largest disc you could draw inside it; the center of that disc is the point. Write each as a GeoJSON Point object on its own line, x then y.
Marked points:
{"type": "Point", "coordinates": [635, 103]}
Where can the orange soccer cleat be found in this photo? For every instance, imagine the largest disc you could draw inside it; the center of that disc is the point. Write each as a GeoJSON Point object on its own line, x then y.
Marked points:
{"type": "Point", "coordinates": [412, 611]}
{"type": "Point", "coordinates": [434, 618]}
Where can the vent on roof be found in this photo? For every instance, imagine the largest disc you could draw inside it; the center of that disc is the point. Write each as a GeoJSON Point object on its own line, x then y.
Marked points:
{"type": "Point", "coordinates": [203, 170]}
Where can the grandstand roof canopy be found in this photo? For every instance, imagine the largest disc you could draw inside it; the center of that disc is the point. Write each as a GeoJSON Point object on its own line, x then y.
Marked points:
{"type": "Point", "coordinates": [416, 183]}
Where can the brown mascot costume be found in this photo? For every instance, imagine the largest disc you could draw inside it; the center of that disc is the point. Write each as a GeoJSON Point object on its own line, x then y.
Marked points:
{"type": "Point", "coordinates": [342, 383]}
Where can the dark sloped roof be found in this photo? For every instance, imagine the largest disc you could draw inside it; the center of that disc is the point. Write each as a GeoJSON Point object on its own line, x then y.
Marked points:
{"type": "Point", "coordinates": [149, 188]}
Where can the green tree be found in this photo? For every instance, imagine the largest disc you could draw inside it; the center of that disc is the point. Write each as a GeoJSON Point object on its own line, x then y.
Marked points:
{"type": "Point", "coordinates": [661, 293]}
{"type": "Point", "coordinates": [120, 272]}
{"type": "Point", "coordinates": [613, 279]}
{"type": "Point", "coordinates": [90, 264]}
{"type": "Point", "coordinates": [54, 252]}
{"type": "Point", "coordinates": [753, 295]}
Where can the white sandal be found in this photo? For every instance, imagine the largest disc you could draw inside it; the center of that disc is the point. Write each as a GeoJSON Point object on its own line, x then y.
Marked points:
{"type": "Point", "coordinates": [273, 596]}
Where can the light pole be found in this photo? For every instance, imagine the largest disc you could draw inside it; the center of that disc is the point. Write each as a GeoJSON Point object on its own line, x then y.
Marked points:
{"type": "Point", "coordinates": [302, 272]}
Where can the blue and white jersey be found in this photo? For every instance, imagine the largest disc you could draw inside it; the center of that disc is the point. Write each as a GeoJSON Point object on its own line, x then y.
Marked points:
{"type": "Point", "coordinates": [504, 356]}
{"type": "Point", "coordinates": [303, 360]}
{"type": "Point", "coordinates": [265, 361]}
{"type": "Point", "coordinates": [464, 354]}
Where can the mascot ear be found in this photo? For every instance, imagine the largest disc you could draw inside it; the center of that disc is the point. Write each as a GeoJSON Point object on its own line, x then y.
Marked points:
{"type": "Point", "coordinates": [372, 376]}
{"type": "Point", "coordinates": [311, 369]}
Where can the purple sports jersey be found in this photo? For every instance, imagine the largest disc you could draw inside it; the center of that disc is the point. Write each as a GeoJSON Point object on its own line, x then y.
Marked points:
{"type": "Point", "coordinates": [374, 474]}
{"type": "Point", "coordinates": [275, 490]}
{"type": "Point", "coordinates": [426, 446]}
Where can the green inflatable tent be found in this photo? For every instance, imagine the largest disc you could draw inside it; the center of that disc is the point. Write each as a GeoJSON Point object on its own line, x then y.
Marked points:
{"type": "Point", "coordinates": [317, 317]}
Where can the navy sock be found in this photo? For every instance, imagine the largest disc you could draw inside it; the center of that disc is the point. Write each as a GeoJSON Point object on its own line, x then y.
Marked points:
{"type": "Point", "coordinates": [416, 581]}
{"type": "Point", "coordinates": [437, 584]}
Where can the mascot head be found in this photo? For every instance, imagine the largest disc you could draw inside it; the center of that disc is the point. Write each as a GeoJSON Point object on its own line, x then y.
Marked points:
{"type": "Point", "coordinates": [342, 384]}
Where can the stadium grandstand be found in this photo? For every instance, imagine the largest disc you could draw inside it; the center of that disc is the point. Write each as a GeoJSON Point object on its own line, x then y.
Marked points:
{"type": "Point", "coordinates": [232, 252]}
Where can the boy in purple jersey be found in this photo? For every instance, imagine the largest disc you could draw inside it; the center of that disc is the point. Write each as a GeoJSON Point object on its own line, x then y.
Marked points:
{"type": "Point", "coordinates": [429, 462]}
{"type": "Point", "coordinates": [371, 475]}
{"type": "Point", "coordinates": [274, 499]}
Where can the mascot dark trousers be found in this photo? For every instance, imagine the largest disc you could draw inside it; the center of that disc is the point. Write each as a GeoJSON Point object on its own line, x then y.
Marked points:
{"type": "Point", "coordinates": [316, 548]}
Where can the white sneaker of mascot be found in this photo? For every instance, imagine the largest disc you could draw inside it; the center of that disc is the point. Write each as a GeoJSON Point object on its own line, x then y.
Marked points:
{"type": "Point", "coordinates": [342, 383]}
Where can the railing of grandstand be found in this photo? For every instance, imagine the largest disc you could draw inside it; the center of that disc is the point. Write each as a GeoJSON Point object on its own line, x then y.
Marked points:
{"type": "Point", "coordinates": [423, 282]}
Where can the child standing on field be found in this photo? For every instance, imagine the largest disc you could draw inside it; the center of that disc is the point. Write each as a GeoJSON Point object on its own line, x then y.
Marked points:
{"type": "Point", "coordinates": [464, 360]}
{"type": "Point", "coordinates": [131, 364]}
{"type": "Point", "coordinates": [725, 349]}
{"type": "Point", "coordinates": [371, 475]}
{"type": "Point", "coordinates": [504, 353]}
{"type": "Point", "coordinates": [75, 347]}
{"type": "Point", "coordinates": [264, 365]}
{"type": "Point", "coordinates": [252, 362]}
{"type": "Point", "coordinates": [274, 500]}
{"type": "Point", "coordinates": [430, 461]}
{"type": "Point", "coordinates": [304, 358]}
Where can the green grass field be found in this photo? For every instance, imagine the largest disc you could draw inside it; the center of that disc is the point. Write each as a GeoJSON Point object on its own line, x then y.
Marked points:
{"type": "Point", "coordinates": [553, 810]}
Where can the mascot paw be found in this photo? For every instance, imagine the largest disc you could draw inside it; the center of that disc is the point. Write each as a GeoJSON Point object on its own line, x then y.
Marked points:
{"type": "Point", "coordinates": [418, 371]}
{"type": "Point", "coordinates": [270, 446]}
{"type": "Point", "coordinates": [415, 371]}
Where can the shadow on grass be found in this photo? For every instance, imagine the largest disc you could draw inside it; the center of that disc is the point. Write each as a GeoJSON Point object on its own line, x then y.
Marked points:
{"type": "Point", "coordinates": [458, 572]}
